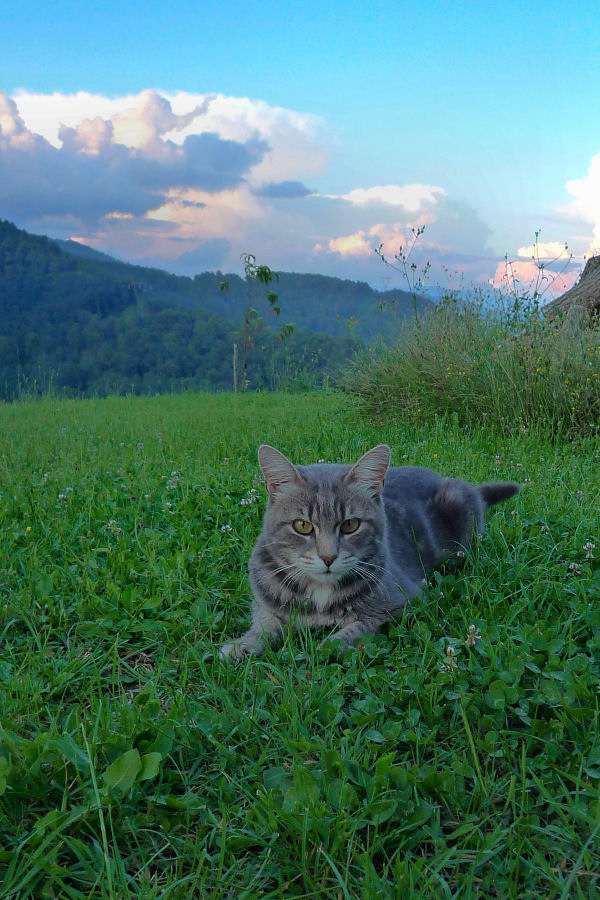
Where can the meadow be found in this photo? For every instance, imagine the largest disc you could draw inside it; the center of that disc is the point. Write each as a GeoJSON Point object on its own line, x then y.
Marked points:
{"type": "Point", "coordinates": [456, 754]}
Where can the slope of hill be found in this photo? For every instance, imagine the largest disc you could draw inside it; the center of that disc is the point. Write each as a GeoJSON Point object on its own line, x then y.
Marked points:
{"type": "Point", "coordinates": [317, 302]}
{"type": "Point", "coordinates": [91, 326]}
{"type": "Point", "coordinates": [77, 249]}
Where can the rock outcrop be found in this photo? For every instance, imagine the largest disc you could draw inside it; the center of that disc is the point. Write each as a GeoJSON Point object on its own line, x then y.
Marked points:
{"type": "Point", "coordinates": [583, 299]}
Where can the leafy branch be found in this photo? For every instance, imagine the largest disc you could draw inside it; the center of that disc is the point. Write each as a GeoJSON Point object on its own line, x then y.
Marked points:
{"type": "Point", "coordinates": [258, 279]}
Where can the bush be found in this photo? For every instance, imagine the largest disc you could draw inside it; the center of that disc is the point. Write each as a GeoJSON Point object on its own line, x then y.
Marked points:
{"type": "Point", "coordinates": [507, 368]}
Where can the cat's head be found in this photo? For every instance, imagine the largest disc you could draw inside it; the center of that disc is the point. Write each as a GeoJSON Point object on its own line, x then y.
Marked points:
{"type": "Point", "coordinates": [326, 521]}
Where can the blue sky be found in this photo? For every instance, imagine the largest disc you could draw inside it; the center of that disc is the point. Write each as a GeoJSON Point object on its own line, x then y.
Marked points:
{"type": "Point", "coordinates": [479, 120]}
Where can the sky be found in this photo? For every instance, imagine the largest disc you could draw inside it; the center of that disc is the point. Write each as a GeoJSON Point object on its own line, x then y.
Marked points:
{"type": "Point", "coordinates": [309, 134]}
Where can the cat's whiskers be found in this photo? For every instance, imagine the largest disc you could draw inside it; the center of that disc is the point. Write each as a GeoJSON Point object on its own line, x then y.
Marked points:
{"type": "Point", "coordinates": [371, 577]}
{"type": "Point", "coordinates": [289, 578]}
{"type": "Point", "coordinates": [363, 562]}
{"type": "Point", "coordinates": [283, 568]}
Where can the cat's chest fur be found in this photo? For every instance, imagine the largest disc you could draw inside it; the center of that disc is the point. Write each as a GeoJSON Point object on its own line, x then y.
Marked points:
{"type": "Point", "coordinates": [311, 602]}
{"type": "Point", "coordinates": [319, 606]}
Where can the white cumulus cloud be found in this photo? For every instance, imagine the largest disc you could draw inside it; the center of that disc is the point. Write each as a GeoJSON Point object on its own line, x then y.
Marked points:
{"type": "Point", "coordinates": [545, 250]}
{"type": "Point", "coordinates": [178, 178]}
{"type": "Point", "coordinates": [586, 204]}
{"type": "Point", "coordinates": [411, 197]}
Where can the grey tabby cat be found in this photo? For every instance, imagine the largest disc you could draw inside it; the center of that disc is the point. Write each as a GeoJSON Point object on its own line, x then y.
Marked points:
{"type": "Point", "coordinates": [350, 545]}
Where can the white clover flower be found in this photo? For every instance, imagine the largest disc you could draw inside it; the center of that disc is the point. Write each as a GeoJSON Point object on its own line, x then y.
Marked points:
{"type": "Point", "coordinates": [473, 635]}
{"type": "Point", "coordinates": [589, 549]}
{"type": "Point", "coordinates": [449, 663]}
{"type": "Point", "coordinates": [226, 528]}
{"type": "Point", "coordinates": [574, 568]}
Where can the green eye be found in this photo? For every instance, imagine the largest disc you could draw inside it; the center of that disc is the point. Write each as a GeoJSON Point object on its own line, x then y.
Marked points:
{"type": "Point", "coordinates": [303, 527]}
{"type": "Point", "coordinates": [349, 525]}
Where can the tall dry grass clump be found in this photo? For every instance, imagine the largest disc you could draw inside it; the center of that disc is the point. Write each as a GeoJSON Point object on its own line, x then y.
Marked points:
{"type": "Point", "coordinates": [506, 368]}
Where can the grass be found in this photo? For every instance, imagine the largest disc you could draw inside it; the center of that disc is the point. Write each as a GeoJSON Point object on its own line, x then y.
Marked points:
{"type": "Point", "coordinates": [504, 369]}
{"type": "Point", "coordinates": [136, 764]}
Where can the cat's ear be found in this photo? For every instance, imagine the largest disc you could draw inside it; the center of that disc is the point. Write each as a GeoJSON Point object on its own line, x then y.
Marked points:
{"type": "Point", "coordinates": [276, 468]}
{"type": "Point", "coordinates": [370, 470]}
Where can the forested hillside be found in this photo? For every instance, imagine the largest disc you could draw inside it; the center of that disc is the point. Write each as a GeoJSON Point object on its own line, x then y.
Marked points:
{"type": "Point", "coordinates": [92, 325]}
{"type": "Point", "coordinates": [317, 302]}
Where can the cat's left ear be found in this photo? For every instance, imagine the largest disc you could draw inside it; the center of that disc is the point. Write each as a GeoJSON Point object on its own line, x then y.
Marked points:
{"type": "Point", "coordinates": [370, 470]}
{"type": "Point", "coordinates": [276, 468]}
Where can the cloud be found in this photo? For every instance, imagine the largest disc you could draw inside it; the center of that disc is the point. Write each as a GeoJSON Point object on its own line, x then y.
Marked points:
{"type": "Point", "coordinates": [149, 175]}
{"type": "Point", "coordinates": [445, 237]}
{"type": "Point", "coordinates": [545, 250]}
{"type": "Point", "coordinates": [528, 278]}
{"type": "Point", "coordinates": [586, 204]}
{"type": "Point", "coordinates": [92, 173]}
{"type": "Point", "coordinates": [201, 258]}
{"type": "Point", "coordinates": [411, 197]}
{"type": "Point", "coordinates": [356, 244]}
{"type": "Point", "coordinates": [281, 189]}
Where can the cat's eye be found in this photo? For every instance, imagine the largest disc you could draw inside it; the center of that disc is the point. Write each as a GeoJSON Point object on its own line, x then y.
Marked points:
{"type": "Point", "coordinates": [303, 527]}
{"type": "Point", "coordinates": [348, 526]}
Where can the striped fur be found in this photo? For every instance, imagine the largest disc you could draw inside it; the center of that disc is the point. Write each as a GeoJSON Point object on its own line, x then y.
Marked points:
{"type": "Point", "coordinates": [411, 518]}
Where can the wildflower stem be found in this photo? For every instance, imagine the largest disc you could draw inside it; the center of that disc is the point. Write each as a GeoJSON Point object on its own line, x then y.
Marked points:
{"type": "Point", "coordinates": [473, 750]}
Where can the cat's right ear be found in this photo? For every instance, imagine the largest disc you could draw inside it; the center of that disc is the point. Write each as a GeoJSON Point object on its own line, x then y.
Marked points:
{"type": "Point", "coordinates": [276, 468]}
{"type": "Point", "coordinates": [370, 470]}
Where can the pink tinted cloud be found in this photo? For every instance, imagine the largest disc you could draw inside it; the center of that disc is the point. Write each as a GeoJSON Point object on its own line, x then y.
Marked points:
{"type": "Point", "coordinates": [355, 244]}
{"type": "Point", "coordinates": [527, 278]}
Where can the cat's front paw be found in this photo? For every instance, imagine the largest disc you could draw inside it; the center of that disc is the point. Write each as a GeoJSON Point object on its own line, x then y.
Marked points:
{"type": "Point", "coordinates": [232, 650]}
{"type": "Point", "coordinates": [334, 642]}
{"type": "Point", "coordinates": [243, 646]}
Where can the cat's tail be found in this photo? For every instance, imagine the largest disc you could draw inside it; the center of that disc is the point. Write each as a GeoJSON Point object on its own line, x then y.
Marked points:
{"type": "Point", "coordinates": [492, 492]}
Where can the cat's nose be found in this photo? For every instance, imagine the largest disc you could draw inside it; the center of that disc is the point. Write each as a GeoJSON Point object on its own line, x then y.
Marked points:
{"type": "Point", "coordinates": [327, 559]}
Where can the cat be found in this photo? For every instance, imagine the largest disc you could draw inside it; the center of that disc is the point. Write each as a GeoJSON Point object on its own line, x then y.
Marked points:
{"type": "Point", "coordinates": [351, 545]}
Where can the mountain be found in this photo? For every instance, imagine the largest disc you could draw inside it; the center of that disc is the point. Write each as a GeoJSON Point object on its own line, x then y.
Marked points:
{"type": "Point", "coordinates": [92, 324]}
{"type": "Point", "coordinates": [77, 249]}
{"type": "Point", "coordinates": [317, 302]}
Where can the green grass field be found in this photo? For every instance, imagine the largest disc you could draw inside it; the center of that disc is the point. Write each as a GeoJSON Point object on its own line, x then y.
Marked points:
{"type": "Point", "coordinates": [135, 763]}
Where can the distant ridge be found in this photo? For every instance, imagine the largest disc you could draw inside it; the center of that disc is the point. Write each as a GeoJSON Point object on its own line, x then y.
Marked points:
{"type": "Point", "coordinates": [93, 324]}
{"type": "Point", "coordinates": [322, 303]}
{"type": "Point", "coordinates": [82, 250]}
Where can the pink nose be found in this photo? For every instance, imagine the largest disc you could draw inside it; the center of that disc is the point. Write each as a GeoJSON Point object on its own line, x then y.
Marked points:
{"type": "Point", "coordinates": [328, 560]}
